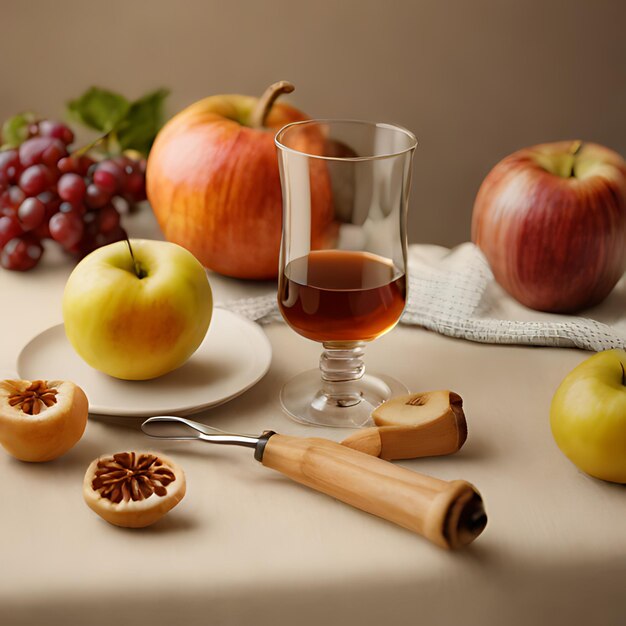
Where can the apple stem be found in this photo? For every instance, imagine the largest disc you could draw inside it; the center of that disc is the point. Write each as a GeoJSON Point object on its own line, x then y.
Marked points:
{"type": "Point", "coordinates": [623, 374]}
{"type": "Point", "coordinates": [263, 106]}
{"type": "Point", "coordinates": [574, 150]}
{"type": "Point", "coordinates": [136, 266]}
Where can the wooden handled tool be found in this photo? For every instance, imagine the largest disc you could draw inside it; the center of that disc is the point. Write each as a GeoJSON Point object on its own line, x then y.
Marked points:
{"type": "Point", "coordinates": [448, 513]}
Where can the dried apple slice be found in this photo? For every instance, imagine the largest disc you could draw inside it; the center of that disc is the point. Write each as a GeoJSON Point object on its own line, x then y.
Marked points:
{"type": "Point", "coordinates": [431, 423]}
{"type": "Point", "coordinates": [133, 489]}
{"type": "Point", "coordinates": [42, 419]}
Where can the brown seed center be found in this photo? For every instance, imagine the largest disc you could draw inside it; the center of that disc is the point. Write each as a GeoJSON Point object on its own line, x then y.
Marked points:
{"type": "Point", "coordinates": [128, 476]}
{"type": "Point", "coordinates": [418, 401]}
{"type": "Point", "coordinates": [36, 396]}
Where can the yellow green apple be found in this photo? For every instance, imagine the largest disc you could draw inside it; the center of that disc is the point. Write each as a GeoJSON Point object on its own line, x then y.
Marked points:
{"type": "Point", "coordinates": [588, 416]}
{"type": "Point", "coordinates": [137, 316]}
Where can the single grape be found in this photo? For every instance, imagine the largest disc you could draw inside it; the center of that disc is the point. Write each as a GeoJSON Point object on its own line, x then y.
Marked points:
{"type": "Point", "coordinates": [17, 195]}
{"type": "Point", "coordinates": [108, 218]}
{"type": "Point", "coordinates": [113, 166]}
{"type": "Point", "coordinates": [9, 229]}
{"type": "Point", "coordinates": [35, 179]}
{"type": "Point", "coordinates": [69, 164]}
{"type": "Point", "coordinates": [136, 186]}
{"type": "Point", "coordinates": [50, 128]}
{"type": "Point", "coordinates": [106, 180]}
{"type": "Point", "coordinates": [31, 150]}
{"type": "Point", "coordinates": [126, 163]}
{"type": "Point", "coordinates": [96, 197]}
{"type": "Point", "coordinates": [21, 253]}
{"type": "Point", "coordinates": [66, 228]}
{"type": "Point", "coordinates": [6, 208]}
{"type": "Point", "coordinates": [71, 187]}
{"type": "Point", "coordinates": [31, 213]}
{"type": "Point", "coordinates": [11, 200]}
{"type": "Point", "coordinates": [118, 171]}
{"type": "Point", "coordinates": [10, 164]}
{"type": "Point", "coordinates": [52, 155]}
{"type": "Point", "coordinates": [86, 162]}
{"type": "Point", "coordinates": [47, 150]}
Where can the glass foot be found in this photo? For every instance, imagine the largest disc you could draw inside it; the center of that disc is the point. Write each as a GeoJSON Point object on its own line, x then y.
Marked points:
{"type": "Point", "coordinates": [338, 404]}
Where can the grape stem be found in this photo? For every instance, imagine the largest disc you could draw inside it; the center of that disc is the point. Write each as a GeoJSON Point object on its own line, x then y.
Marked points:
{"type": "Point", "coordinates": [106, 139]}
{"type": "Point", "coordinates": [81, 151]}
{"type": "Point", "coordinates": [266, 101]}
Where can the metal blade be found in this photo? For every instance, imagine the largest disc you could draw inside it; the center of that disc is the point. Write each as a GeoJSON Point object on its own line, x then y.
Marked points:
{"type": "Point", "coordinates": [166, 427]}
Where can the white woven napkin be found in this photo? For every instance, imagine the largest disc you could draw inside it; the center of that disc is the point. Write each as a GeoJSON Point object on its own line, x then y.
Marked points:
{"type": "Point", "coordinates": [453, 293]}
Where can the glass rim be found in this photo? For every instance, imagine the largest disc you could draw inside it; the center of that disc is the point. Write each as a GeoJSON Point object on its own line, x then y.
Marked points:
{"type": "Point", "coordinates": [374, 157]}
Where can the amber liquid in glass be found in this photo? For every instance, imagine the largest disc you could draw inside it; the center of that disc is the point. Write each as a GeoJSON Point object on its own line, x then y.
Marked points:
{"type": "Point", "coordinates": [340, 295]}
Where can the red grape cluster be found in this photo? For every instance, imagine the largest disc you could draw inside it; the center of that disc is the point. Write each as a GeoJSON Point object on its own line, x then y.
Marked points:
{"type": "Point", "coordinates": [48, 193]}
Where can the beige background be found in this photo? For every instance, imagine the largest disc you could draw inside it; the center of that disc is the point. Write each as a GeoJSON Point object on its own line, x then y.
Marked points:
{"type": "Point", "coordinates": [474, 80]}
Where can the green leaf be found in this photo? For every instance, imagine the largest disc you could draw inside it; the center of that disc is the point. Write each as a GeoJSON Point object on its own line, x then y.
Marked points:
{"type": "Point", "coordinates": [142, 122]}
{"type": "Point", "coordinates": [100, 109]}
{"type": "Point", "coordinates": [15, 129]}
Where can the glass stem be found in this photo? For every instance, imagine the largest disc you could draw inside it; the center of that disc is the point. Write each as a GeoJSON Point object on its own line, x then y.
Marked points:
{"type": "Point", "coordinates": [341, 365]}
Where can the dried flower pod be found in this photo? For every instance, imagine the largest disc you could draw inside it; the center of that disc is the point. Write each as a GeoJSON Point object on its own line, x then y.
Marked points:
{"type": "Point", "coordinates": [41, 420]}
{"type": "Point", "coordinates": [133, 489]}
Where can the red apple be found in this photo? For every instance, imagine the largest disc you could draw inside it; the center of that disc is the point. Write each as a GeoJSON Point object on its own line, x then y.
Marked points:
{"type": "Point", "coordinates": [551, 220]}
{"type": "Point", "coordinates": [213, 182]}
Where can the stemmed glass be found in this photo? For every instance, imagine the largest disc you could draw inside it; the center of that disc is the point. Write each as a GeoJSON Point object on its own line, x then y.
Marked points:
{"type": "Point", "coordinates": [342, 275]}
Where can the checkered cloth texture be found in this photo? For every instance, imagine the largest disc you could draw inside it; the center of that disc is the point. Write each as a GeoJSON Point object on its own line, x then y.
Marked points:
{"type": "Point", "coordinates": [453, 292]}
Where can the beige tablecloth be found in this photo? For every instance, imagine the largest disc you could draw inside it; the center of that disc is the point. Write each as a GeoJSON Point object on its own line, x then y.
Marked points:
{"type": "Point", "coordinates": [247, 546]}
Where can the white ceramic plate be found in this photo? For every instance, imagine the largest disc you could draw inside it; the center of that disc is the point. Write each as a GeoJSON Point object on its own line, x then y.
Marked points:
{"type": "Point", "coordinates": [234, 355]}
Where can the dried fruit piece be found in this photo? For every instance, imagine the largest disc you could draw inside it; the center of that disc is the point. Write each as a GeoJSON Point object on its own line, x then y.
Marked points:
{"type": "Point", "coordinates": [41, 420]}
{"type": "Point", "coordinates": [415, 425]}
{"type": "Point", "coordinates": [418, 408]}
{"type": "Point", "coordinates": [133, 489]}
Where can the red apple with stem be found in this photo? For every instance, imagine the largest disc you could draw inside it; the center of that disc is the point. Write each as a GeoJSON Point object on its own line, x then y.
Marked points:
{"type": "Point", "coordinates": [551, 220]}
{"type": "Point", "coordinates": [213, 182]}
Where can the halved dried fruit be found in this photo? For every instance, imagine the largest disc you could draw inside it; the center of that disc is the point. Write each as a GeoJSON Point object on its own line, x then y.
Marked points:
{"type": "Point", "coordinates": [133, 489]}
{"type": "Point", "coordinates": [430, 423]}
{"type": "Point", "coordinates": [42, 419]}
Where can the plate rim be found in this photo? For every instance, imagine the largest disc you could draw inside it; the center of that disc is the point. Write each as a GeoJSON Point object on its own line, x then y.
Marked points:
{"type": "Point", "coordinates": [188, 409]}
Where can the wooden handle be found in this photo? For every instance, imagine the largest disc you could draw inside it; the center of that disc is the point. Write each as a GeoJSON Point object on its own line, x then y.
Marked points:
{"type": "Point", "coordinates": [450, 514]}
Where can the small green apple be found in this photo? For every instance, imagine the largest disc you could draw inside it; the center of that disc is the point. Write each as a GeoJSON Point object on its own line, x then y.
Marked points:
{"type": "Point", "coordinates": [137, 318]}
{"type": "Point", "coordinates": [588, 416]}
